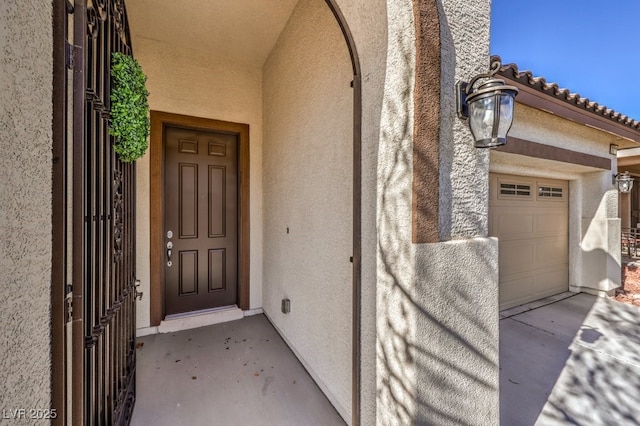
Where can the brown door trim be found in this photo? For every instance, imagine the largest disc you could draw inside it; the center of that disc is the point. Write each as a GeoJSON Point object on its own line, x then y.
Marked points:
{"type": "Point", "coordinates": [156, 184]}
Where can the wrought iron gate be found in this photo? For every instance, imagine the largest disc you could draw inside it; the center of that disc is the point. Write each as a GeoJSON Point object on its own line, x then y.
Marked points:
{"type": "Point", "coordinates": [99, 227]}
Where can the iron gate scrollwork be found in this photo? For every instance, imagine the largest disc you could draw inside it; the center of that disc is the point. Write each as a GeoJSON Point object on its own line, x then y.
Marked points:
{"type": "Point", "coordinates": [104, 246]}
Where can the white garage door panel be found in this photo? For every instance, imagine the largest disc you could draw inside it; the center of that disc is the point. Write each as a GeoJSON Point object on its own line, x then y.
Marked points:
{"type": "Point", "coordinates": [516, 257]}
{"type": "Point", "coordinates": [535, 287]}
{"type": "Point", "coordinates": [552, 223]}
{"type": "Point", "coordinates": [551, 251]}
{"type": "Point", "coordinates": [553, 281]}
{"type": "Point", "coordinates": [530, 217]}
{"type": "Point", "coordinates": [511, 290]}
{"type": "Point", "coordinates": [514, 224]}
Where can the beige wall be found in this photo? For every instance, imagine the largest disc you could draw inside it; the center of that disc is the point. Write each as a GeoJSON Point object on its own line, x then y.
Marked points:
{"type": "Point", "coordinates": [436, 323]}
{"type": "Point", "coordinates": [368, 21]}
{"type": "Point", "coordinates": [404, 286]}
{"type": "Point", "coordinates": [413, 279]}
{"type": "Point", "coordinates": [308, 181]}
{"type": "Point", "coordinates": [25, 204]}
{"type": "Point", "coordinates": [190, 82]}
{"type": "Point", "coordinates": [594, 227]}
{"type": "Point", "coordinates": [395, 316]}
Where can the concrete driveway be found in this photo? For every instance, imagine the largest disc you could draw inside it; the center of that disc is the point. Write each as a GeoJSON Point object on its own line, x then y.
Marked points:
{"type": "Point", "coordinates": [575, 361]}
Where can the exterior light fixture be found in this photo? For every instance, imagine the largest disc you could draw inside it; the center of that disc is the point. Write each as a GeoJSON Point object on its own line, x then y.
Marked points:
{"type": "Point", "coordinates": [489, 107]}
{"type": "Point", "coordinates": [613, 149]}
{"type": "Point", "coordinates": [624, 182]}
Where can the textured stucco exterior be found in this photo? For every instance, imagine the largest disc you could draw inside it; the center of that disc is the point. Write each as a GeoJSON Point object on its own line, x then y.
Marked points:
{"type": "Point", "coordinates": [464, 182]}
{"type": "Point", "coordinates": [192, 82]}
{"type": "Point", "coordinates": [368, 21]}
{"type": "Point", "coordinates": [457, 356]}
{"type": "Point", "coordinates": [25, 204]}
{"type": "Point", "coordinates": [594, 226]}
{"type": "Point", "coordinates": [308, 187]}
{"type": "Point", "coordinates": [401, 282]}
{"type": "Point", "coordinates": [427, 354]}
{"type": "Point", "coordinates": [429, 329]}
{"type": "Point", "coordinates": [395, 319]}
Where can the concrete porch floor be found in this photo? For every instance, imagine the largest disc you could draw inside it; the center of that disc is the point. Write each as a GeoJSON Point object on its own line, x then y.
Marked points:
{"type": "Point", "coordinates": [235, 373]}
{"type": "Point", "coordinates": [572, 362]}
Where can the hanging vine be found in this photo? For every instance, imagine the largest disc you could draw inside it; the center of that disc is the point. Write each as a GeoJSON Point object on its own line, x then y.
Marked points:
{"type": "Point", "coordinates": [129, 122]}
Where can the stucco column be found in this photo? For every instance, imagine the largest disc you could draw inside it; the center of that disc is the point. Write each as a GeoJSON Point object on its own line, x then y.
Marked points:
{"type": "Point", "coordinates": [437, 303]}
{"type": "Point", "coordinates": [456, 348]}
{"type": "Point", "coordinates": [599, 253]}
{"type": "Point", "coordinates": [25, 204]}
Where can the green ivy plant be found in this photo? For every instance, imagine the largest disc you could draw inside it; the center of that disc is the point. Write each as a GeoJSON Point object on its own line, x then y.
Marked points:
{"type": "Point", "coordinates": [129, 122]}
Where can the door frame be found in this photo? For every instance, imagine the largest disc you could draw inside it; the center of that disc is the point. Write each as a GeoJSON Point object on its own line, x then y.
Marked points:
{"type": "Point", "coordinates": [159, 121]}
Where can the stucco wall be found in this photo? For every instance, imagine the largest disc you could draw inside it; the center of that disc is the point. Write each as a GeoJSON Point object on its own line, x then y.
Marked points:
{"type": "Point", "coordinates": [594, 227]}
{"type": "Point", "coordinates": [437, 323]}
{"type": "Point", "coordinates": [308, 182]}
{"type": "Point", "coordinates": [464, 183]}
{"type": "Point", "coordinates": [457, 307]}
{"type": "Point", "coordinates": [457, 329]}
{"type": "Point", "coordinates": [559, 132]}
{"type": "Point", "coordinates": [191, 82]}
{"type": "Point", "coordinates": [595, 245]}
{"type": "Point", "coordinates": [25, 204]}
{"type": "Point", "coordinates": [396, 316]}
{"type": "Point", "coordinates": [368, 22]}
{"type": "Point", "coordinates": [393, 269]}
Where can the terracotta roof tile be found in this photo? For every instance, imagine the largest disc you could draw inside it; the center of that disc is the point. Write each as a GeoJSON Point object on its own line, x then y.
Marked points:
{"type": "Point", "coordinates": [511, 72]}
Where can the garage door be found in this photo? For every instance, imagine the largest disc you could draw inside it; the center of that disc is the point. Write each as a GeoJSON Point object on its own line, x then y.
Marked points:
{"type": "Point", "coordinates": [530, 217]}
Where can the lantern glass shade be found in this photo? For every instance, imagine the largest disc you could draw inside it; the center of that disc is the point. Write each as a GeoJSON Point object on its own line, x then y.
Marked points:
{"type": "Point", "coordinates": [625, 185]}
{"type": "Point", "coordinates": [490, 118]}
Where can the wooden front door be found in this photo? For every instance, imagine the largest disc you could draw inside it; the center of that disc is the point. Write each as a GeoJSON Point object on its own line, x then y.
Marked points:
{"type": "Point", "coordinates": [201, 219]}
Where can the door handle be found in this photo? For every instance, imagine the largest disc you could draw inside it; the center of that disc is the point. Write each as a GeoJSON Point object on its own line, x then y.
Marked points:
{"type": "Point", "coordinates": [169, 247]}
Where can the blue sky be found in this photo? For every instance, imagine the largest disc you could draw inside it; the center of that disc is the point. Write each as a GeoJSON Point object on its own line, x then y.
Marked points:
{"type": "Point", "coordinates": [591, 47]}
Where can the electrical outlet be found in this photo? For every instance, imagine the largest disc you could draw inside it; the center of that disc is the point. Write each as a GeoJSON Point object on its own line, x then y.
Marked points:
{"type": "Point", "coordinates": [286, 306]}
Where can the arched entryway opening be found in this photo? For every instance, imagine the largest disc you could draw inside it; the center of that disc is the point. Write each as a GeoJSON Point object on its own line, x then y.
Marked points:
{"type": "Point", "coordinates": [290, 73]}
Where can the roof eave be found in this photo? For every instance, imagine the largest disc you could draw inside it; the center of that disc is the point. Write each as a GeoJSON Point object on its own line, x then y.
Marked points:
{"type": "Point", "coordinates": [535, 92]}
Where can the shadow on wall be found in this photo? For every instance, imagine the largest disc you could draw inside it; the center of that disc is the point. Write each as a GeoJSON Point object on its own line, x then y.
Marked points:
{"type": "Point", "coordinates": [599, 383]}
{"type": "Point", "coordinates": [437, 329]}
{"type": "Point", "coordinates": [471, 219]}
{"type": "Point", "coordinates": [394, 347]}
{"type": "Point", "coordinates": [456, 346]}
{"type": "Point", "coordinates": [597, 265]}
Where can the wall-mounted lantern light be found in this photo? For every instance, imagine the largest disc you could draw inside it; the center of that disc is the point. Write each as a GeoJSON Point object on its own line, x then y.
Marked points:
{"type": "Point", "coordinates": [613, 149]}
{"type": "Point", "coordinates": [624, 182]}
{"type": "Point", "coordinates": [489, 107]}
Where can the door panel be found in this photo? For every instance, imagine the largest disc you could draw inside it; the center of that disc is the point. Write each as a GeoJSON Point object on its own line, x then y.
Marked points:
{"type": "Point", "coordinates": [201, 211]}
{"type": "Point", "coordinates": [188, 200]}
